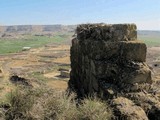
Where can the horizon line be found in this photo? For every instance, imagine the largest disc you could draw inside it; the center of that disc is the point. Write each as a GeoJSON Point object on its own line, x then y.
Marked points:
{"type": "Point", "coordinates": [66, 25]}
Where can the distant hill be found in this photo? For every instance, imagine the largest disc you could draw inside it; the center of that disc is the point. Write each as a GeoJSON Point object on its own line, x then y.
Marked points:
{"type": "Point", "coordinates": [148, 33]}
{"type": "Point", "coordinates": [11, 31]}
{"type": "Point", "coordinates": [38, 30]}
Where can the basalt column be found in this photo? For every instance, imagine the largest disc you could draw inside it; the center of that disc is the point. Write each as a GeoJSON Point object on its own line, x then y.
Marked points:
{"type": "Point", "coordinates": [105, 59]}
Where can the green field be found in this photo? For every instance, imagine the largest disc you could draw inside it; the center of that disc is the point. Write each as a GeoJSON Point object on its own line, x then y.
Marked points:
{"type": "Point", "coordinates": [16, 45]}
{"type": "Point", "coordinates": [150, 40]}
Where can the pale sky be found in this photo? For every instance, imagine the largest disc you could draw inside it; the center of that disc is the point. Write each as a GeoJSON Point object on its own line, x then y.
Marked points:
{"type": "Point", "coordinates": [144, 13]}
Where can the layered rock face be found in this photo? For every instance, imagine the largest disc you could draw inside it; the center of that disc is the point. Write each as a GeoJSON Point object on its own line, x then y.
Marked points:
{"type": "Point", "coordinates": [107, 54]}
{"type": "Point", "coordinates": [109, 61]}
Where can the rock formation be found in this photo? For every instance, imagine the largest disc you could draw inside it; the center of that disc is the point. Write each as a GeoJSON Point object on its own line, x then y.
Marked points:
{"type": "Point", "coordinates": [109, 61]}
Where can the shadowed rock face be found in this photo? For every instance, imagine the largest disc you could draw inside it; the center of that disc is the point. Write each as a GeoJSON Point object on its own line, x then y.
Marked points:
{"type": "Point", "coordinates": [109, 60]}
{"type": "Point", "coordinates": [109, 54]}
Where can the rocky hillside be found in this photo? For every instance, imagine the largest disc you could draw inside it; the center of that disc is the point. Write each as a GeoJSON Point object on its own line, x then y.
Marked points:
{"type": "Point", "coordinates": [8, 31]}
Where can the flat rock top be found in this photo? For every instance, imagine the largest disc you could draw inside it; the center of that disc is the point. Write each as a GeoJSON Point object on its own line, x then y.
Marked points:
{"type": "Point", "coordinates": [103, 25]}
{"type": "Point", "coordinates": [107, 32]}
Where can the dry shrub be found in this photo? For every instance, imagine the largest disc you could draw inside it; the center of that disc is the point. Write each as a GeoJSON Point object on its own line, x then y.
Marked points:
{"type": "Point", "coordinates": [48, 104]}
{"type": "Point", "coordinates": [61, 108]}
{"type": "Point", "coordinates": [20, 104]}
{"type": "Point", "coordinates": [94, 109]}
{"type": "Point", "coordinates": [64, 108]}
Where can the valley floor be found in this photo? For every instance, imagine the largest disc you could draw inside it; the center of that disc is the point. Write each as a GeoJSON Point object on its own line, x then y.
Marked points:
{"type": "Point", "coordinates": [39, 66]}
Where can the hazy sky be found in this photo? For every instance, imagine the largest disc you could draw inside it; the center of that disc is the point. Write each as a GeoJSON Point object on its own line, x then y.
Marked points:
{"type": "Point", "coordinates": [145, 13]}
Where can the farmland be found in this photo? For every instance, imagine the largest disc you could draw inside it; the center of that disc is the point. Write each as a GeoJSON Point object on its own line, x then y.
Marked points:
{"type": "Point", "coordinates": [151, 38]}
{"type": "Point", "coordinates": [41, 66]}
{"type": "Point", "coordinates": [16, 45]}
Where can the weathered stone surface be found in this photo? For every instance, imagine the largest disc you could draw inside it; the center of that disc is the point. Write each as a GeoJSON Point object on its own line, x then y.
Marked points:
{"type": "Point", "coordinates": [125, 109]}
{"type": "Point", "coordinates": [119, 32]}
{"type": "Point", "coordinates": [133, 50]}
{"type": "Point", "coordinates": [136, 73]}
{"type": "Point", "coordinates": [148, 102]}
{"type": "Point", "coordinates": [109, 60]}
{"type": "Point", "coordinates": [102, 50]}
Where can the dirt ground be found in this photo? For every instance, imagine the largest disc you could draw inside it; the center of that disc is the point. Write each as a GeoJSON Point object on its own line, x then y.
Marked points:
{"type": "Point", "coordinates": [40, 66]}
{"type": "Point", "coordinates": [153, 60]}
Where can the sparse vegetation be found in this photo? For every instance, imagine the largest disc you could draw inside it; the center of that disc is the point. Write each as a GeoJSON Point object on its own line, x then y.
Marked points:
{"type": "Point", "coordinates": [39, 76]}
{"type": "Point", "coordinates": [20, 103]}
{"type": "Point", "coordinates": [47, 104]}
{"type": "Point", "coordinates": [94, 109]}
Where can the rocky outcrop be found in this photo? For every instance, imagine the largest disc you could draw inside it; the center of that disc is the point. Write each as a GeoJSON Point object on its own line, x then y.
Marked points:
{"type": "Point", "coordinates": [125, 109]}
{"type": "Point", "coordinates": [107, 54]}
{"type": "Point", "coordinates": [109, 61]}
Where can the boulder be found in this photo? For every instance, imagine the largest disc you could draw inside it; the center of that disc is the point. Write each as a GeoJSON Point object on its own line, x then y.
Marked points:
{"type": "Point", "coordinates": [125, 109]}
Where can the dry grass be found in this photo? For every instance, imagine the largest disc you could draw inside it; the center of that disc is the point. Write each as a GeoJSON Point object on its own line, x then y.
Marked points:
{"type": "Point", "coordinates": [94, 109]}
{"type": "Point", "coordinates": [47, 104]}
{"type": "Point", "coordinates": [57, 84]}
{"type": "Point", "coordinates": [20, 103]}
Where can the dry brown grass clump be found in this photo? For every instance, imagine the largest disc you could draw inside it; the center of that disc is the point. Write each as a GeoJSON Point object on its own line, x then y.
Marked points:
{"type": "Point", "coordinates": [20, 104]}
{"type": "Point", "coordinates": [94, 109]}
{"type": "Point", "coordinates": [46, 104]}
